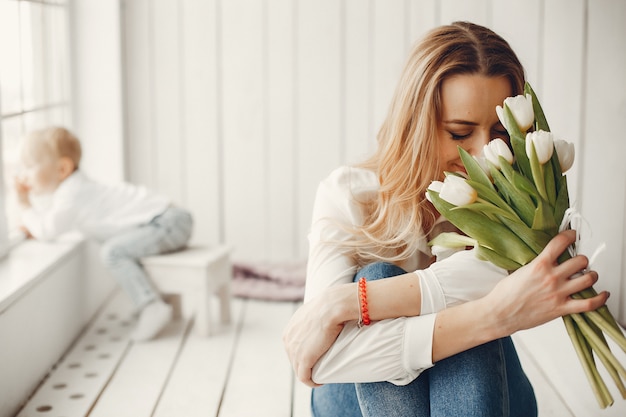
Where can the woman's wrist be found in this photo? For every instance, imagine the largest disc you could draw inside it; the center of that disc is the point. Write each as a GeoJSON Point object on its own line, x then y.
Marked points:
{"type": "Point", "coordinates": [343, 303]}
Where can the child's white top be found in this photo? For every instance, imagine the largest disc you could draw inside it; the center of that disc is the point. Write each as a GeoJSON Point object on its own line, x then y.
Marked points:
{"type": "Point", "coordinates": [395, 350]}
{"type": "Point", "coordinates": [97, 210]}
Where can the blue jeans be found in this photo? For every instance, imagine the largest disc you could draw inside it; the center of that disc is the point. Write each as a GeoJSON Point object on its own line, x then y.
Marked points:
{"type": "Point", "coordinates": [485, 381]}
{"type": "Point", "coordinates": [167, 232]}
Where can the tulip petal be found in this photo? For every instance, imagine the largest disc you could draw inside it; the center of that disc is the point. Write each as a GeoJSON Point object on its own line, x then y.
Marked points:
{"type": "Point", "coordinates": [540, 117]}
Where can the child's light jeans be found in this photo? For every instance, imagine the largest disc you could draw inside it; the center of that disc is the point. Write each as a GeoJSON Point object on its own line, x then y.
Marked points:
{"type": "Point", "coordinates": [167, 232]}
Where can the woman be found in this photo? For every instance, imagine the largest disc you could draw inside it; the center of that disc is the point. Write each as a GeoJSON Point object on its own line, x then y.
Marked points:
{"type": "Point", "coordinates": [439, 334]}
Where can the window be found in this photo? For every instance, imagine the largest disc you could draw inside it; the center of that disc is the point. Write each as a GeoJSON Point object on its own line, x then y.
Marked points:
{"type": "Point", "coordinates": [34, 86]}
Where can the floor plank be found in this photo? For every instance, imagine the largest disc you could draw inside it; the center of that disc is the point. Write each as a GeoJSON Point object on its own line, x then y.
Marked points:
{"type": "Point", "coordinates": [137, 384]}
{"type": "Point", "coordinates": [261, 378]}
{"type": "Point", "coordinates": [198, 381]}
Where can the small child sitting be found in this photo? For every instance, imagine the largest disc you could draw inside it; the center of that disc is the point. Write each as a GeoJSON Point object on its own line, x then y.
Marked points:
{"type": "Point", "coordinates": [129, 221]}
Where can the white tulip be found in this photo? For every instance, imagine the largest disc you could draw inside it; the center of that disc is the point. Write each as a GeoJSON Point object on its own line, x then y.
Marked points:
{"type": "Point", "coordinates": [543, 142]}
{"type": "Point", "coordinates": [565, 152]}
{"type": "Point", "coordinates": [455, 190]}
{"type": "Point", "coordinates": [522, 109]}
{"type": "Point", "coordinates": [496, 148]}
{"type": "Point", "coordinates": [434, 186]}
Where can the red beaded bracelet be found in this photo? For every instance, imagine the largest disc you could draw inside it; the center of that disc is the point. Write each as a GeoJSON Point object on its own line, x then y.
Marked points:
{"type": "Point", "coordinates": [364, 314]}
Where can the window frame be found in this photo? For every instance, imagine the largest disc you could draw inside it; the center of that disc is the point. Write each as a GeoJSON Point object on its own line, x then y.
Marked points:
{"type": "Point", "coordinates": [44, 94]}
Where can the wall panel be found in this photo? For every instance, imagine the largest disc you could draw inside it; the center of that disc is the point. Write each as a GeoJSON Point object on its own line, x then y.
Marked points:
{"type": "Point", "coordinates": [562, 75]}
{"type": "Point", "coordinates": [476, 11]}
{"type": "Point", "coordinates": [520, 22]}
{"type": "Point", "coordinates": [358, 130]}
{"type": "Point", "coordinates": [318, 102]}
{"type": "Point", "coordinates": [202, 165]}
{"type": "Point", "coordinates": [245, 150]}
{"type": "Point", "coordinates": [167, 137]}
{"type": "Point", "coordinates": [280, 134]}
{"type": "Point", "coordinates": [140, 153]}
{"type": "Point", "coordinates": [604, 172]}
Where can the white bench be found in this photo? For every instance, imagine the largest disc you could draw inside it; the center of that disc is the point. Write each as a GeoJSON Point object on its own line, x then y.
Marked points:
{"type": "Point", "coordinates": [195, 274]}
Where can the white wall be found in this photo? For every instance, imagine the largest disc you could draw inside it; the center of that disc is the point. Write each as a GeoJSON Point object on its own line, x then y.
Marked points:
{"type": "Point", "coordinates": [237, 108]}
{"type": "Point", "coordinates": [97, 87]}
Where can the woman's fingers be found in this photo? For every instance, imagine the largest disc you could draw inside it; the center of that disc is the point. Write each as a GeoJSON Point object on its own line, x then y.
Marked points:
{"type": "Point", "coordinates": [558, 245]}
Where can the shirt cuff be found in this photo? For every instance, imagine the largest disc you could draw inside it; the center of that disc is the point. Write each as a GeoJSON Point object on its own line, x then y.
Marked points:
{"type": "Point", "coordinates": [418, 344]}
{"type": "Point", "coordinates": [433, 298]}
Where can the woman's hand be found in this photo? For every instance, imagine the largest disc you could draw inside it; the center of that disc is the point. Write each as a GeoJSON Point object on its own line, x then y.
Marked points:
{"type": "Point", "coordinates": [541, 291]}
{"type": "Point", "coordinates": [314, 327]}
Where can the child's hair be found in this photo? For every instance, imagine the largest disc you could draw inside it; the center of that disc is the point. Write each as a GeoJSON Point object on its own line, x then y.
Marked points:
{"type": "Point", "coordinates": [54, 141]}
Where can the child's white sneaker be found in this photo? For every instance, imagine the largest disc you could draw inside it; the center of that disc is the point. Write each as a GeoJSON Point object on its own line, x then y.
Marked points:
{"type": "Point", "coordinates": [152, 319]}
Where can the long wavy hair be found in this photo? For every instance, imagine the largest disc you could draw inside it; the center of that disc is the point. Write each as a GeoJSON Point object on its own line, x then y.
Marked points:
{"type": "Point", "coordinates": [406, 159]}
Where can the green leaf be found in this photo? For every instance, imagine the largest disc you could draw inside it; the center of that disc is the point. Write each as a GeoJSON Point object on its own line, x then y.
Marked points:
{"type": "Point", "coordinates": [521, 159]}
{"type": "Point", "coordinates": [518, 180]}
{"type": "Point", "coordinates": [490, 210]}
{"type": "Point", "coordinates": [544, 218]}
{"type": "Point", "coordinates": [474, 170]}
{"type": "Point", "coordinates": [491, 195]}
{"type": "Point", "coordinates": [562, 201]}
{"type": "Point", "coordinates": [452, 240]}
{"type": "Point", "coordinates": [519, 201]}
{"type": "Point", "coordinates": [550, 182]}
{"type": "Point", "coordinates": [538, 174]}
{"type": "Point", "coordinates": [540, 117]}
{"type": "Point", "coordinates": [535, 239]}
{"type": "Point", "coordinates": [487, 232]}
{"type": "Point", "coordinates": [524, 184]}
{"type": "Point", "coordinates": [487, 254]}
{"type": "Point", "coordinates": [556, 169]}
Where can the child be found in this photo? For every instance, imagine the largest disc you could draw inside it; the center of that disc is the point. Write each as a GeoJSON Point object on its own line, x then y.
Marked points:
{"type": "Point", "coordinates": [129, 221]}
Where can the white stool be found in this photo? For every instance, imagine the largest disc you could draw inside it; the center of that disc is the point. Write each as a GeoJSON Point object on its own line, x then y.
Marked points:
{"type": "Point", "coordinates": [196, 273]}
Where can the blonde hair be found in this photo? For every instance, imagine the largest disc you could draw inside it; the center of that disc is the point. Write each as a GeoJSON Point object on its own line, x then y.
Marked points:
{"type": "Point", "coordinates": [52, 142]}
{"type": "Point", "coordinates": [406, 160]}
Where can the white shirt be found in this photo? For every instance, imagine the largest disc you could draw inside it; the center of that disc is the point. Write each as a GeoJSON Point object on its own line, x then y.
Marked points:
{"type": "Point", "coordinates": [97, 210]}
{"type": "Point", "coordinates": [394, 350]}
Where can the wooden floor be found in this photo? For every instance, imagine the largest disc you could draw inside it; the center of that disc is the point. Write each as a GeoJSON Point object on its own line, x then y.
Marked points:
{"type": "Point", "coordinates": [243, 371]}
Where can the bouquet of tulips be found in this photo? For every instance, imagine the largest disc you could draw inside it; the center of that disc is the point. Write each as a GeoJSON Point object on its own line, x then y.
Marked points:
{"type": "Point", "coordinates": [509, 206]}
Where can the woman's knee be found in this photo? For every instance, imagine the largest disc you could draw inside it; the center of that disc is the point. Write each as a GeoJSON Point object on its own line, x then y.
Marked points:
{"type": "Point", "coordinates": [379, 270]}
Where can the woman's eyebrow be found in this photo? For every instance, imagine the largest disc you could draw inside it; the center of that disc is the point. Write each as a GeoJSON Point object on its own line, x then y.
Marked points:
{"type": "Point", "coordinates": [460, 122]}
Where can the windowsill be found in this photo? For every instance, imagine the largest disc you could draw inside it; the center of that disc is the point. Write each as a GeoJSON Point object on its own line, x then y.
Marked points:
{"type": "Point", "coordinates": [28, 262]}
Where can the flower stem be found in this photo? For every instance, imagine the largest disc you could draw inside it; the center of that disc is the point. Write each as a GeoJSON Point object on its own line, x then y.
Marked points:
{"type": "Point", "coordinates": [586, 361]}
{"type": "Point", "coordinates": [605, 361]}
{"type": "Point", "coordinates": [597, 344]}
{"type": "Point", "coordinates": [606, 326]}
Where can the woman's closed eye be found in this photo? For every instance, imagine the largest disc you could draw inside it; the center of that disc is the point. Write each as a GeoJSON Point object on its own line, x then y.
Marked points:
{"type": "Point", "coordinates": [459, 135]}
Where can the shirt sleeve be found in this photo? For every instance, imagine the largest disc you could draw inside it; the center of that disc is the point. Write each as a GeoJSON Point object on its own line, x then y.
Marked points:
{"type": "Point", "coordinates": [61, 216]}
{"type": "Point", "coordinates": [395, 350]}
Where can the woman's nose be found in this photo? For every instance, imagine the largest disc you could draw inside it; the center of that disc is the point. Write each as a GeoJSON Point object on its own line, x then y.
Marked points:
{"type": "Point", "coordinates": [479, 142]}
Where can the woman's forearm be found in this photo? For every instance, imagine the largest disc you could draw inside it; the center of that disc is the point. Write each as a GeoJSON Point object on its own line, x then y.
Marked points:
{"type": "Point", "coordinates": [399, 296]}
{"type": "Point", "coordinates": [463, 327]}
